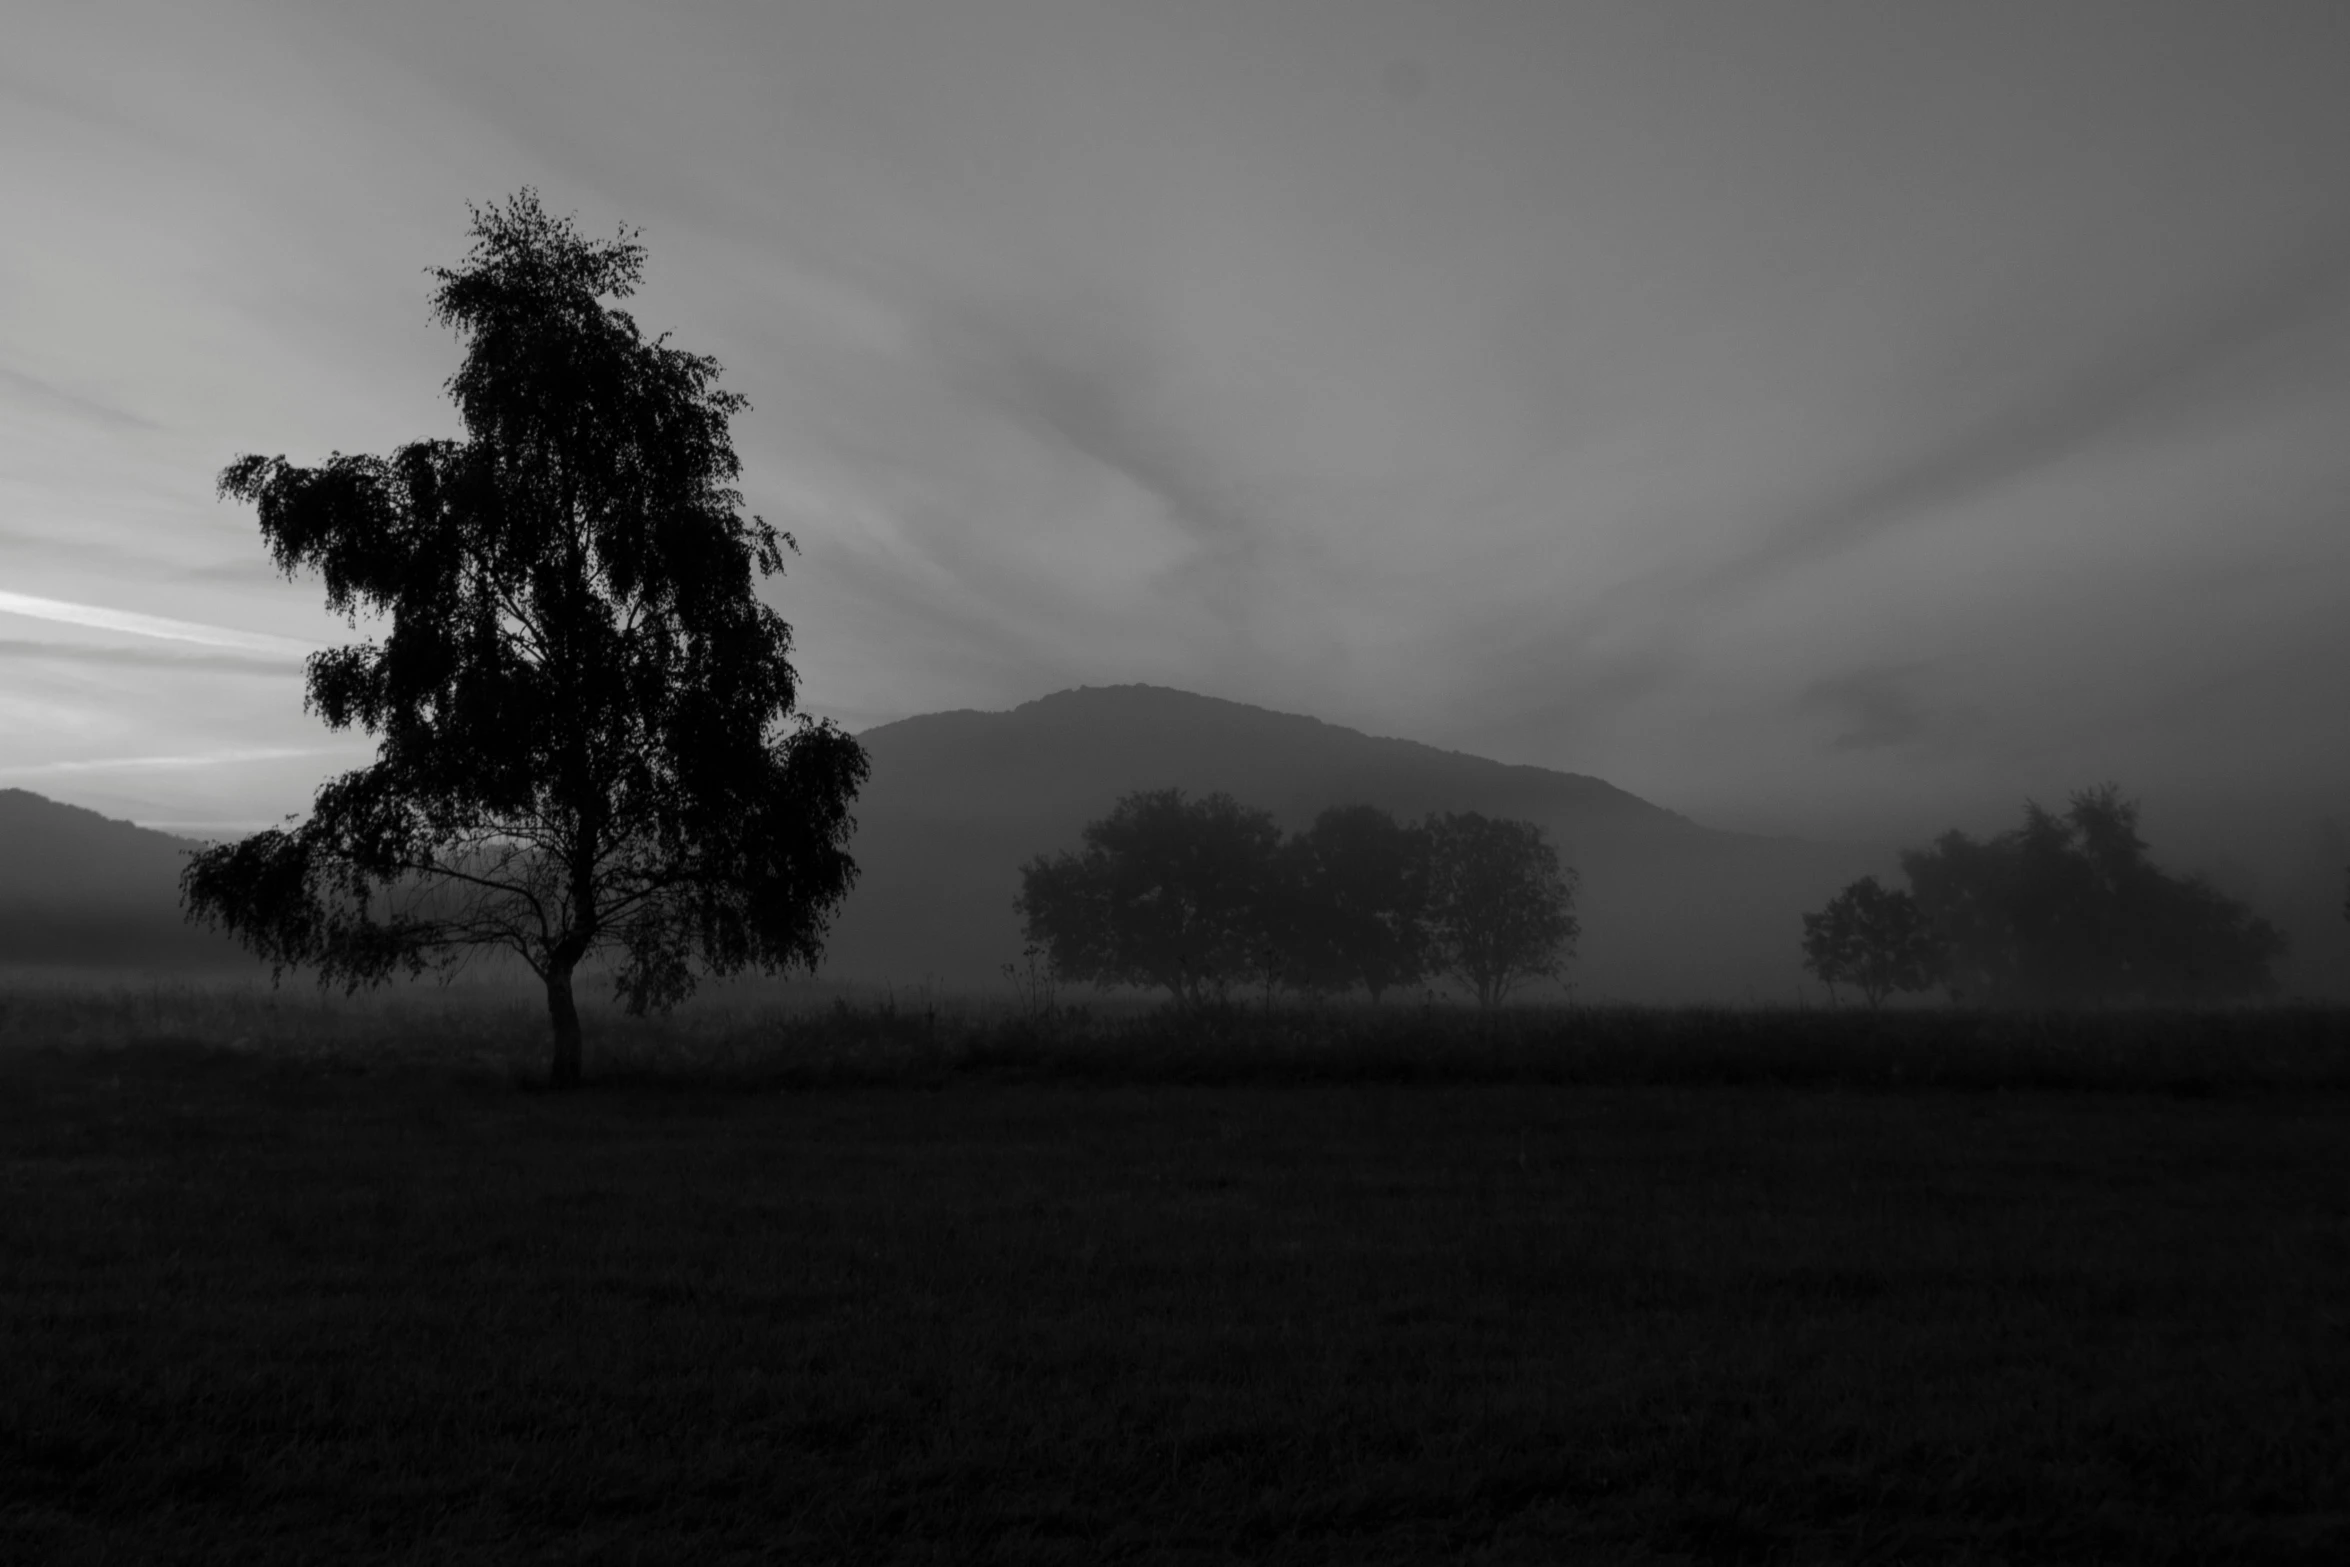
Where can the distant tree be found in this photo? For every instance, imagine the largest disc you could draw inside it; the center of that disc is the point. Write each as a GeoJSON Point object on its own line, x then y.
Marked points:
{"type": "Point", "coordinates": [1167, 891]}
{"type": "Point", "coordinates": [1500, 908]}
{"type": "Point", "coordinates": [1875, 939]}
{"type": "Point", "coordinates": [1355, 901]}
{"type": "Point", "coordinates": [584, 713]}
{"type": "Point", "coordinates": [2198, 944]}
{"type": "Point", "coordinates": [2068, 911]}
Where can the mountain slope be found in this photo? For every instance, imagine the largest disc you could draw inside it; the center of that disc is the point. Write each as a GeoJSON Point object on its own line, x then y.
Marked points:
{"type": "Point", "coordinates": [81, 889]}
{"type": "Point", "coordinates": [959, 800]}
{"type": "Point", "coordinates": [1072, 748]}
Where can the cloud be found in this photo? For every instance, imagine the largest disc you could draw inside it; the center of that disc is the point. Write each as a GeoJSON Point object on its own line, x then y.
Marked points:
{"type": "Point", "coordinates": [227, 758]}
{"type": "Point", "coordinates": [1881, 708]}
{"type": "Point", "coordinates": [100, 618]}
{"type": "Point", "coordinates": [149, 658]}
{"type": "Point", "coordinates": [1104, 401]}
{"type": "Point", "coordinates": [2067, 414]}
{"type": "Point", "coordinates": [245, 571]}
{"type": "Point", "coordinates": [88, 409]}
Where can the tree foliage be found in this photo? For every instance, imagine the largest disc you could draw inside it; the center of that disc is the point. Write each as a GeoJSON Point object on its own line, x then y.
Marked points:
{"type": "Point", "coordinates": [1500, 908]}
{"type": "Point", "coordinates": [2069, 910]}
{"type": "Point", "coordinates": [585, 715]}
{"type": "Point", "coordinates": [1876, 939]}
{"type": "Point", "coordinates": [1167, 892]}
{"type": "Point", "coordinates": [1353, 902]}
{"type": "Point", "coordinates": [1197, 895]}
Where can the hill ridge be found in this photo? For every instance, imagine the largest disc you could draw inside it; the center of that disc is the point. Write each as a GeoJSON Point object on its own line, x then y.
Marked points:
{"type": "Point", "coordinates": [1130, 702]}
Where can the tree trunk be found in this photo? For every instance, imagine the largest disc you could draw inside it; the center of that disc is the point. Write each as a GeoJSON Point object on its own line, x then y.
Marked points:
{"type": "Point", "coordinates": [565, 1016]}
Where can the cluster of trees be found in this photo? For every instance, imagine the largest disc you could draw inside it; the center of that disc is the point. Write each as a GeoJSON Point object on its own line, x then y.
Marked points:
{"type": "Point", "coordinates": [1198, 896]}
{"type": "Point", "coordinates": [2062, 911]}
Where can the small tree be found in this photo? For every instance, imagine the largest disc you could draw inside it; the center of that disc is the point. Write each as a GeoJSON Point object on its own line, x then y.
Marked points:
{"type": "Point", "coordinates": [1500, 908]}
{"type": "Point", "coordinates": [1356, 903]}
{"type": "Point", "coordinates": [584, 712]}
{"type": "Point", "coordinates": [1873, 938]}
{"type": "Point", "coordinates": [1167, 891]}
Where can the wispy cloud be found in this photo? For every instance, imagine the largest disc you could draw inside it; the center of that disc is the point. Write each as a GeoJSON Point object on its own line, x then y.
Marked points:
{"type": "Point", "coordinates": [1103, 392]}
{"type": "Point", "coordinates": [148, 658]}
{"type": "Point", "coordinates": [90, 409]}
{"type": "Point", "coordinates": [1883, 708]}
{"type": "Point", "coordinates": [227, 758]}
{"type": "Point", "coordinates": [2072, 411]}
{"type": "Point", "coordinates": [99, 618]}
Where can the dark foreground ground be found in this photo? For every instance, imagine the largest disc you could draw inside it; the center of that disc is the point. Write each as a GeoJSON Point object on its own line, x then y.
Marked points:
{"type": "Point", "coordinates": [258, 1310]}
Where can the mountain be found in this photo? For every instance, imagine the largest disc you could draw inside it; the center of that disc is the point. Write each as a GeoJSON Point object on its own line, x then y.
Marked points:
{"type": "Point", "coordinates": [83, 890]}
{"type": "Point", "coordinates": [958, 801]}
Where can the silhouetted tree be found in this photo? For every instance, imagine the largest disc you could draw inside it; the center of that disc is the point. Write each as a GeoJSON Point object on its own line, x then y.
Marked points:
{"type": "Point", "coordinates": [1354, 901]}
{"type": "Point", "coordinates": [1500, 909]}
{"type": "Point", "coordinates": [2068, 910]}
{"type": "Point", "coordinates": [2198, 944]}
{"type": "Point", "coordinates": [1167, 891]}
{"type": "Point", "coordinates": [584, 713]}
{"type": "Point", "coordinates": [1873, 938]}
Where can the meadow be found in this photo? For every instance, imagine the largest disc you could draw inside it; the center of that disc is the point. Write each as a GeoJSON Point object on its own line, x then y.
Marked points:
{"type": "Point", "coordinates": [907, 1278]}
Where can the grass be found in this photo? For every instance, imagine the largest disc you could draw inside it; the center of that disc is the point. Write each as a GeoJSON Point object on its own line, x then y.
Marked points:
{"type": "Point", "coordinates": [806, 1036]}
{"type": "Point", "coordinates": [920, 1284]}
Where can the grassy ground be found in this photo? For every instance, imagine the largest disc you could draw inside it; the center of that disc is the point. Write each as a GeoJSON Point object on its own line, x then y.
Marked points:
{"type": "Point", "coordinates": [361, 1305]}
{"type": "Point", "coordinates": [803, 1036]}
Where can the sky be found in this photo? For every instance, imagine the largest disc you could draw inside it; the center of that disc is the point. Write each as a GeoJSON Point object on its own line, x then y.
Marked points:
{"type": "Point", "coordinates": [1844, 419]}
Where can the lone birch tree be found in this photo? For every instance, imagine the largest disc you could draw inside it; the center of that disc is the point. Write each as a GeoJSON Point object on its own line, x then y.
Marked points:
{"type": "Point", "coordinates": [585, 717]}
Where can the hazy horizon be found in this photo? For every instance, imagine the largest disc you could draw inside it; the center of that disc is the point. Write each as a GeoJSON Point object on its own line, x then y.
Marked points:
{"type": "Point", "coordinates": [1833, 420]}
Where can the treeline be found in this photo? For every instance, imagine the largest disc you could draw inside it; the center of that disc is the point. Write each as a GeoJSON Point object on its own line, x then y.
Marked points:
{"type": "Point", "coordinates": [1205, 896]}
{"type": "Point", "coordinates": [2063, 911]}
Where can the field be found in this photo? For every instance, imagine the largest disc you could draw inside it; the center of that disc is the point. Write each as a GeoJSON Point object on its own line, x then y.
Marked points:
{"type": "Point", "coordinates": [909, 1281]}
